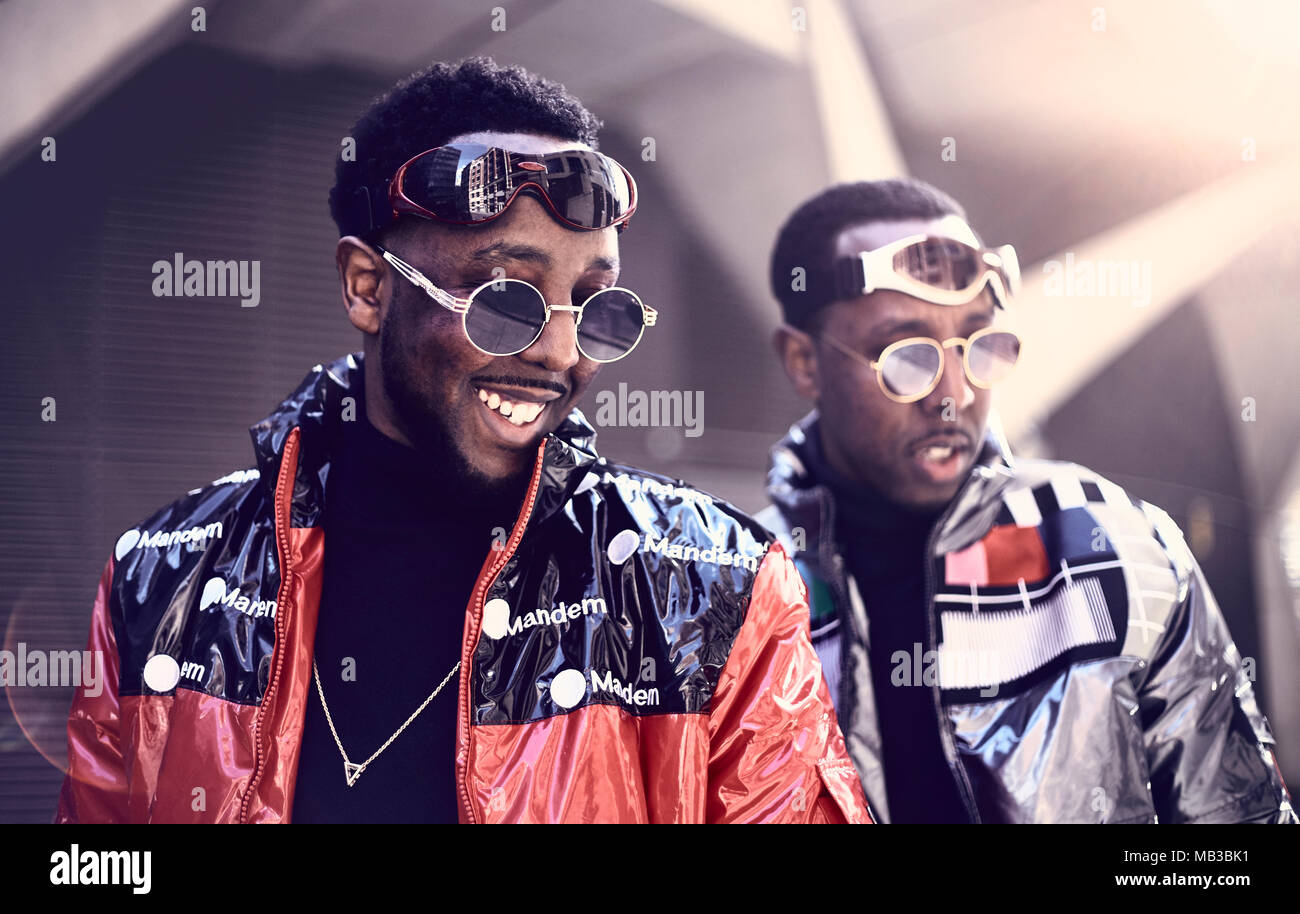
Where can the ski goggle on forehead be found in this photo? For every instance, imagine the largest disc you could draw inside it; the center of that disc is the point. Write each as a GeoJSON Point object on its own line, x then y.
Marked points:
{"type": "Point", "coordinates": [467, 184]}
{"type": "Point", "coordinates": [935, 269]}
{"type": "Point", "coordinates": [506, 316]}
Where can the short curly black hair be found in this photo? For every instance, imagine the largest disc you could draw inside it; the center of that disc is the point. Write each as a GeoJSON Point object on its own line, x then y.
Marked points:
{"type": "Point", "coordinates": [807, 239]}
{"type": "Point", "coordinates": [431, 106]}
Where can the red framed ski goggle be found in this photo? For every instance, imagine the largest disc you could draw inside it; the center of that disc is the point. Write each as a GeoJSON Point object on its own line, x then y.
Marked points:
{"type": "Point", "coordinates": [469, 184]}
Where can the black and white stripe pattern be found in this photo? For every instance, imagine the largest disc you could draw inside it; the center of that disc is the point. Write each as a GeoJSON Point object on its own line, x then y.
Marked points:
{"type": "Point", "coordinates": [991, 647]}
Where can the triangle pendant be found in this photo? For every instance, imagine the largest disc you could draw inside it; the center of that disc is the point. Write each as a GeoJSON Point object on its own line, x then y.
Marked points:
{"type": "Point", "coordinates": [352, 771]}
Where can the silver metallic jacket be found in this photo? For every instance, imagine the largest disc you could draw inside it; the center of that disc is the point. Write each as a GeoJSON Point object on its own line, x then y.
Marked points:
{"type": "Point", "coordinates": [1076, 654]}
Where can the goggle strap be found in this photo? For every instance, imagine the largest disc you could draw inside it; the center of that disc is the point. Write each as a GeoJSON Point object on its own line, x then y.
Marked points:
{"type": "Point", "coordinates": [850, 277]}
{"type": "Point", "coordinates": [365, 210]}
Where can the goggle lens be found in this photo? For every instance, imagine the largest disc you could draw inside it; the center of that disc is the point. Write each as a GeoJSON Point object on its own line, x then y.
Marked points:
{"type": "Point", "coordinates": [472, 183]}
{"type": "Point", "coordinates": [950, 265]}
{"type": "Point", "coordinates": [939, 262]}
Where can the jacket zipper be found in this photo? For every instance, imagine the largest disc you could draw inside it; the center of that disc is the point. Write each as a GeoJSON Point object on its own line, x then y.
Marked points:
{"type": "Point", "coordinates": [945, 734]}
{"type": "Point", "coordinates": [289, 459]}
{"type": "Point", "coordinates": [477, 598]}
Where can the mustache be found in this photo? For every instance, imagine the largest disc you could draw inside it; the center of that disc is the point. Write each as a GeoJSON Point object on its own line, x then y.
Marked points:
{"type": "Point", "coordinates": [945, 431]}
{"type": "Point", "coordinates": [506, 380]}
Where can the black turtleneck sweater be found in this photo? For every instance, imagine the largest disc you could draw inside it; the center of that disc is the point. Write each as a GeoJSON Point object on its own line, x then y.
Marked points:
{"type": "Point", "coordinates": [403, 548]}
{"type": "Point", "coordinates": [884, 546]}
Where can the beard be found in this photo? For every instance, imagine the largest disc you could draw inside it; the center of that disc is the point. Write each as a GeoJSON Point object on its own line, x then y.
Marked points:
{"type": "Point", "coordinates": [429, 431]}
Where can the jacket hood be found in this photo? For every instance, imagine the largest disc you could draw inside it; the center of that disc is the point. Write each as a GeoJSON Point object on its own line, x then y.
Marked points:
{"type": "Point", "coordinates": [316, 407]}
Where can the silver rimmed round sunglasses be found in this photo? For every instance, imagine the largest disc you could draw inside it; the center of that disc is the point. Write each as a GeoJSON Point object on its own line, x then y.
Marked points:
{"type": "Point", "coordinates": [506, 316]}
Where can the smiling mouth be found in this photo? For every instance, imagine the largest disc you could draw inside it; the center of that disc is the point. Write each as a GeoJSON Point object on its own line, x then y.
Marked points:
{"type": "Point", "coordinates": [520, 413]}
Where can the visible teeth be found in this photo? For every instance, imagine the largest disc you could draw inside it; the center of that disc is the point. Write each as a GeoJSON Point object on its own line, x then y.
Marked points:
{"type": "Point", "coordinates": [524, 413]}
{"type": "Point", "coordinates": [517, 413]}
{"type": "Point", "coordinates": [937, 452]}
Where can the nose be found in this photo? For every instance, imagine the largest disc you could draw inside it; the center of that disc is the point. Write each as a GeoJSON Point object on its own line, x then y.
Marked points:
{"type": "Point", "coordinates": [557, 348]}
{"type": "Point", "coordinates": [953, 388]}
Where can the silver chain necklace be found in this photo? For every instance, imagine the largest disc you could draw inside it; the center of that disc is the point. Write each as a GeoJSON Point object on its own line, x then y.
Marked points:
{"type": "Point", "coordinates": [351, 770]}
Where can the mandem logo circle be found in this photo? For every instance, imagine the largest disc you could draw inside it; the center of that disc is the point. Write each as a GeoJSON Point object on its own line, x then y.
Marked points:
{"type": "Point", "coordinates": [622, 546]}
{"type": "Point", "coordinates": [568, 687]}
{"type": "Point", "coordinates": [496, 618]}
{"type": "Point", "coordinates": [125, 543]}
{"type": "Point", "coordinates": [162, 672]}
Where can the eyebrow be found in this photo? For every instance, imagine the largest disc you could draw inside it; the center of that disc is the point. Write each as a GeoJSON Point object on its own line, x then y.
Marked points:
{"type": "Point", "coordinates": [914, 327]}
{"type": "Point", "coordinates": [503, 250]}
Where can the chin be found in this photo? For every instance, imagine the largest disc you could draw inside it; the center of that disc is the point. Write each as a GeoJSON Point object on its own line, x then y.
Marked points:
{"type": "Point", "coordinates": [926, 498]}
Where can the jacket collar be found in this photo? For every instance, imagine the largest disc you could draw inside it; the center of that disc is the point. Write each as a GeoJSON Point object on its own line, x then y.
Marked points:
{"type": "Point", "coordinates": [806, 502]}
{"type": "Point", "coordinates": [316, 408]}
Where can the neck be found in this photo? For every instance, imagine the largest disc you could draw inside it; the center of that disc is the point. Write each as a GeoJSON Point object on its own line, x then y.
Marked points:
{"type": "Point", "coordinates": [450, 475]}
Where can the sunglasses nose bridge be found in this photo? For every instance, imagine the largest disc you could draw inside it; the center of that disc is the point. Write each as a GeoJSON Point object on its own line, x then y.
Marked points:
{"type": "Point", "coordinates": [944, 381]}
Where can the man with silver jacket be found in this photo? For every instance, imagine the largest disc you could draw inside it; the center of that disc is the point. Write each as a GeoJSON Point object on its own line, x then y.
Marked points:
{"type": "Point", "coordinates": [1005, 640]}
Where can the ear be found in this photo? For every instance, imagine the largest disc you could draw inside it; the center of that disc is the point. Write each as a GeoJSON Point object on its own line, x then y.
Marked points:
{"type": "Point", "coordinates": [798, 356]}
{"type": "Point", "coordinates": [363, 277]}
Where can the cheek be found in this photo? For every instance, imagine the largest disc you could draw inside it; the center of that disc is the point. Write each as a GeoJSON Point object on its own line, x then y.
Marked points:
{"type": "Point", "coordinates": [581, 376]}
{"type": "Point", "coordinates": [445, 358]}
{"type": "Point", "coordinates": [980, 408]}
{"type": "Point", "coordinates": [854, 398]}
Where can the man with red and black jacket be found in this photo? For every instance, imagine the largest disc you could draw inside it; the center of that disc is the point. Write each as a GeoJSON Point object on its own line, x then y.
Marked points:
{"type": "Point", "coordinates": [430, 599]}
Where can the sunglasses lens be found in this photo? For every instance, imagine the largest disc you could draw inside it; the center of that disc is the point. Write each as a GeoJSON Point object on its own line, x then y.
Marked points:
{"type": "Point", "coordinates": [909, 370]}
{"type": "Point", "coordinates": [471, 183]}
{"type": "Point", "coordinates": [611, 324]}
{"type": "Point", "coordinates": [992, 357]}
{"type": "Point", "coordinates": [505, 317]}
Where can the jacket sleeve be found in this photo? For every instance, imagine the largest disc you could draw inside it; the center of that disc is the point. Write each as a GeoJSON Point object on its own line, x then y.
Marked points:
{"type": "Point", "coordinates": [776, 752]}
{"type": "Point", "coordinates": [1212, 757]}
{"type": "Point", "coordinates": [94, 789]}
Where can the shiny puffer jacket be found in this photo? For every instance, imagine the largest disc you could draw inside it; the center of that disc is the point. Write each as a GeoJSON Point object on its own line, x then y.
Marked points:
{"type": "Point", "coordinates": [1077, 659]}
{"type": "Point", "coordinates": [635, 651]}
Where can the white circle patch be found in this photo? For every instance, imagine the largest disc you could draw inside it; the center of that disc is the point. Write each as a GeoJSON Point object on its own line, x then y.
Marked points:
{"type": "Point", "coordinates": [568, 687]}
{"type": "Point", "coordinates": [496, 618]}
{"type": "Point", "coordinates": [125, 543]}
{"type": "Point", "coordinates": [622, 546]}
{"type": "Point", "coordinates": [162, 672]}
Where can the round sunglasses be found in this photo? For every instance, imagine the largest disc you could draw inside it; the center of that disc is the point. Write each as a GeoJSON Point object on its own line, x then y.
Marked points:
{"type": "Point", "coordinates": [910, 369]}
{"type": "Point", "coordinates": [506, 316]}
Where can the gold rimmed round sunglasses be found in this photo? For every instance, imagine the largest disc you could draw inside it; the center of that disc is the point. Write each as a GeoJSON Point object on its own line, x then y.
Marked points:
{"type": "Point", "coordinates": [910, 369]}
